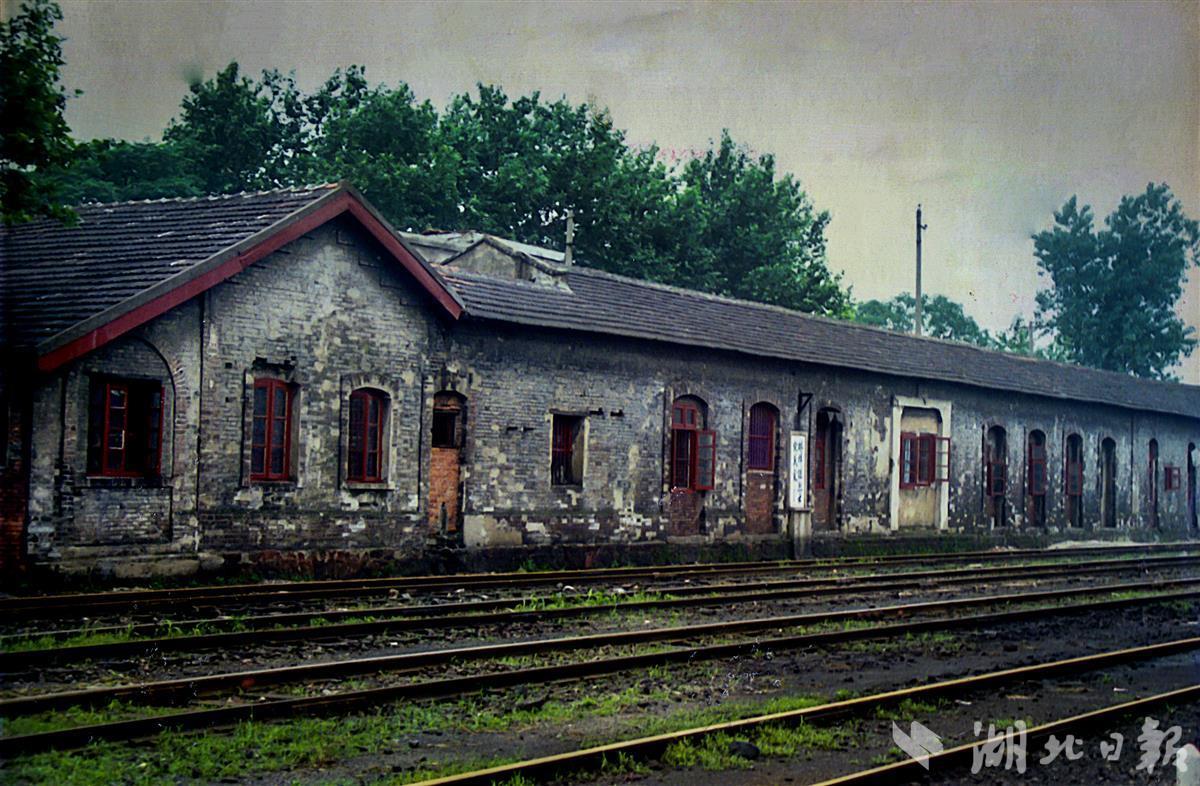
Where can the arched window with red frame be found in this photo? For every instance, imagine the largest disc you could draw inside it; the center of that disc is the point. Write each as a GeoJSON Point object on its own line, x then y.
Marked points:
{"type": "Point", "coordinates": [693, 448]}
{"type": "Point", "coordinates": [271, 431]}
{"type": "Point", "coordinates": [365, 446]}
{"type": "Point", "coordinates": [760, 440]}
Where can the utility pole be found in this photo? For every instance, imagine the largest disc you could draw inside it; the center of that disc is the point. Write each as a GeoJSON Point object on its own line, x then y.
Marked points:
{"type": "Point", "coordinates": [917, 323]}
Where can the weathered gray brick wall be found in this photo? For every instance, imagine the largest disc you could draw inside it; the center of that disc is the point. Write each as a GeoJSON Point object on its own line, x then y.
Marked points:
{"type": "Point", "coordinates": [329, 314]}
{"type": "Point", "coordinates": [520, 379]}
{"type": "Point", "coordinates": [623, 389]}
{"type": "Point", "coordinates": [72, 516]}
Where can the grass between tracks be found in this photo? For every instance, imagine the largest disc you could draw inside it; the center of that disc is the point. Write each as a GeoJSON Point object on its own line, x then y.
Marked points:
{"type": "Point", "coordinates": [86, 637]}
{"type": "Point", "coordinates": [167, 629]}
{"type": "Point", "coordinates": [312, 742]}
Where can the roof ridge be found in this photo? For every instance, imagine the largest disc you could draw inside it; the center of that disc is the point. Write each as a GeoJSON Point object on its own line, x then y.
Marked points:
{"type": "Point", "coordinates": [212, 197]}
{"type": "Point", "coordinates": [782, 309]}
{"type": "Point", "coordinates": [845, 324]}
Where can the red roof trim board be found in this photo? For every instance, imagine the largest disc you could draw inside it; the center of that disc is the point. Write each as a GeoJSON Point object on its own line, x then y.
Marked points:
{"type": "Point", "coordinates": [137, 311]}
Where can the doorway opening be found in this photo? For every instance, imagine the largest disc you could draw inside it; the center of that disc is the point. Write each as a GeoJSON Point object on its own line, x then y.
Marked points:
{"type": "Point", "coordinates": [827, 468]}
{"type": "Point", "coordinates": [445, 474]}
{"type": "Point", "coordinates": [1108, 482]}
{"type": "Point", "coordinates": [995, 457]}
{"type": "Point", "coordinates": [1035, 482]}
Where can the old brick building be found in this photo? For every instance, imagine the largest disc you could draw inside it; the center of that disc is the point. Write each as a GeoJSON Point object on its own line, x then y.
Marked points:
{"type": "Point", "coordinates": [280, 376]}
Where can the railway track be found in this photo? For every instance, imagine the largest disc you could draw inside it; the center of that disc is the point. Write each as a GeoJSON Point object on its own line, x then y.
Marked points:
{"type": "Point", "coordinates": [181, 691]}
{"type": "Point", "coordinates": [593, 758]}
{"type": "Point", "coordinates": [266, 629]}
{"type": "Point", "coordinates": [85, 604]}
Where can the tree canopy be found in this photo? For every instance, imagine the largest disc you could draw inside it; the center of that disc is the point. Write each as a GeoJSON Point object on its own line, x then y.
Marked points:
{"type": "Point", "coordinates": [941, 318]}
{"type": "Point", "coordinates": [1114, 290]}
{"type": "Point", "coordinates": [724, 221]}
{"type": "Point", "coordinates": [33, 134]}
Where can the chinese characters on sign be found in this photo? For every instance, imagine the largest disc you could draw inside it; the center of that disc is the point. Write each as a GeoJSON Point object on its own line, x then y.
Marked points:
{"type": "Point", "coordinates": [1007, 748]}
{"type": "Point", "coordinates": [797, 474]}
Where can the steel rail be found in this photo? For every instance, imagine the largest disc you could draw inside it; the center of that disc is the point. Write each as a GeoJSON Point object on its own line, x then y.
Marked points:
{"type": "Point", "coordinates": [912, 770]}
{"type": "Point", "coordinates": [456, 686]}
{"type": "Point", "coordinates": [84, 603]}
{"type": "Point", "coordinates": [400, 618]}
{"type": "Point", "coordinates": [558, 765]}
{"type": "Point", "coordinates": [182, 690]}
{"type": "Point", "coordinates": [834, 584]}
{"type": "Point", "coordinates": [827, 585]}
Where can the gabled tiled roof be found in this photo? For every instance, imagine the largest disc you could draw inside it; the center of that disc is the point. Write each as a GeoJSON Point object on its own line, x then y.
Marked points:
{"type": "Point", "coordinates": [600, 302]}
{"type": "Point", "coordinates": [58, 276]}
{"type": "Point", "coordinates": [123, 261]}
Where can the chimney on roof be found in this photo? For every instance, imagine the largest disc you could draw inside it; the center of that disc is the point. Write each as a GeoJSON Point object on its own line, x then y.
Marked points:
{"type": "Point", "coordinates": [569, 254]}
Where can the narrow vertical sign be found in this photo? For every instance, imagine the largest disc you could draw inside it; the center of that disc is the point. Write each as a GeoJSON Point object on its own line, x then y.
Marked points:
{"type": "Point", "coordinates": [797, 471]}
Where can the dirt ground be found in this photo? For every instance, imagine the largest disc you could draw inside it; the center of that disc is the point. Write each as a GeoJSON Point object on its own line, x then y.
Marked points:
{"type": "Point", "coordinates": [862, 668]}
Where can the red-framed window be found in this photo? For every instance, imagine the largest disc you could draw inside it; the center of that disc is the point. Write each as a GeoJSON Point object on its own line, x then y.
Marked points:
{"type": "Point", "coordinates": [693, 449]}
{"type": "Point", "coordinates": [924, 459]}
{"type": "Point", "coordinates": [566, 460]}
{"type": "Point", "coordinates": [1037, 469]}
{"type": "Point", "coordinates": [760, 447]}
{"type": "Point", "coordinates": [271, 431]}
{"type": "Point", "coordinates": [1172, 478]}
{"type": "Point", "coordinates": [125, 428]}
{"type": "Point", "coordinates": [368, 413]}
{"type": "Point", "coordinates": [685, 415]}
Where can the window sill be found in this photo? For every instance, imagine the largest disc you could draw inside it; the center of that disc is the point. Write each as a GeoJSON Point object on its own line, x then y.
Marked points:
{"type": "Point", "coordinates": [367, 485]}
{"type": "Point", "coordinates": [122, 482]}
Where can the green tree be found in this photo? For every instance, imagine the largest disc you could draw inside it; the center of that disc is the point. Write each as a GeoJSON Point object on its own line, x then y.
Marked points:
{"type": "Point", "coordinates": [108, 170]}
{"type": "Point", "coordinates": [760, 233]}
{"type": "Point", "coordinates": [33, 133]}
{"type": "Point", "coordinates": [525, 162]}
{"type": "Point", "coordinates": [231, 132]}
{"type": "Point", "coordinates": [387, 143]}
{"type": "Point", "coordinates": [941, 318]}
{"type": "Point", "coordinates": [302, 121]}
{"type": "Point", "coordinates": [724, 222]}
{"type": "Point", "coordinates": [1113, 293]}
{"type": "Point", "coordinates": [1018, 338]}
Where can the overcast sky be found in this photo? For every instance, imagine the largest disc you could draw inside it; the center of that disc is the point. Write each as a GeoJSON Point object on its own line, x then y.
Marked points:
{"type": "Point", "coordinates": [990, 114]}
